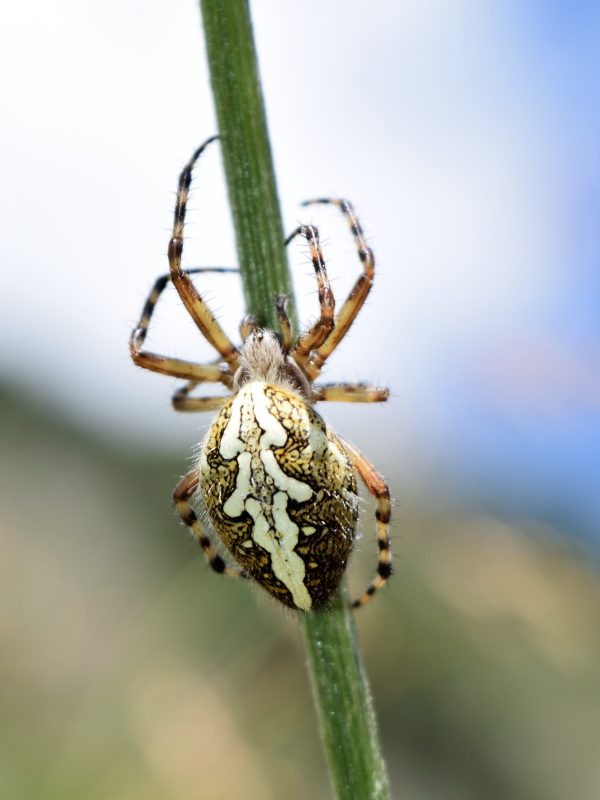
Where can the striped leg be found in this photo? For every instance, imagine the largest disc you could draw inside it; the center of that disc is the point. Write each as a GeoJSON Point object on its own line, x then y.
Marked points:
{"type": "Point", "coordinates": [194, 303]}
{"type": "Point", "coordinates": [357, 296]}
{"type": "Point", "coordinates": [182, 494]}
{"type": "Point", "coordinates": [378, 488]}
{"type": "Point", "coordinates": [187, 370]}
{"type": "Point", "coordinates": [318, 333]}
{"type": "Point", "coordinates": [211, 373]}
{"type": "Point", "coordinates": [350, 392]}
{"type": "Point", "coordinates": [140, 331]}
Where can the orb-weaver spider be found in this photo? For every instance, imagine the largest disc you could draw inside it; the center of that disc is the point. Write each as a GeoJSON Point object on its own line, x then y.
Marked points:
{"type": "Point", "coordinates": [279, 486]}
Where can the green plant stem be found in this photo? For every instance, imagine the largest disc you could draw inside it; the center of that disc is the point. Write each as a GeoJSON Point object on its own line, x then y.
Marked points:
{"type": "Point", "coordinates": [339, 680]}
{"type": "Point", "coordinates": [344, 701]}
{"type": "Point", "coordinates": [247, 157]}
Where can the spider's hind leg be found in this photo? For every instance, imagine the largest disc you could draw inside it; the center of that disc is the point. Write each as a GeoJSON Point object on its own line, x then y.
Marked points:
{"type": "Point", "coordinates": [182, 494]}
{"type": "Point", "coordinates": [378, 488]}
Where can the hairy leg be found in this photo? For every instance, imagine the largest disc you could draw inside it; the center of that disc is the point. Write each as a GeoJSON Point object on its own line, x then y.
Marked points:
{"type": "Point", "coordinates": [182, 401]}
{"type": "Point", "coordinates": [192, 300]}
{"type": "Point", "coordinates": [350, 393]}
{"type": "Point", "coordinates": [320, 330]}
{"type": "Point", "coordinates": [378, 488]}
{"type": "Point", "coordinates": [182, 494]}
{"type": "Point", "coordinates": [357, 296]}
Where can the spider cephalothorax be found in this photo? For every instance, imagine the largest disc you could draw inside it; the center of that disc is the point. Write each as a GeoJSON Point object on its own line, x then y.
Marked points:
{"type": "Point", "coordinates": [279, 486]}
{"type": "Point", "coordinates": [263, 358]}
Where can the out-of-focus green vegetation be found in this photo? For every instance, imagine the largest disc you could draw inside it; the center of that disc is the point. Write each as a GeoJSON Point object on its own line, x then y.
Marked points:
{"type": "Point", "coordinates": [129, 671]}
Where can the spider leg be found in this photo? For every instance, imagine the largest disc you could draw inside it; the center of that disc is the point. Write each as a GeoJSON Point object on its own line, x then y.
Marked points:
{"type": "Point", "coordinates": [140, 331]}
{"type": "Point", "coordinates": [184, 491]}
{"type": "Point", "coordinates": [378, 488]}
{"type": "Point", "coordinates": [350, 392]}
{"type": "Point", "coordinates": [192, 300]}
{"type": "Point", "coordinates": [284, 321]}
{"type": "Point", "coordinates": [183, 402]}
{"type": "Point", "coordinates": [321, 329]}
{"type": "Point", "coordinates": [355, 299]}
{"type": "Point", "coordinates": [187, 370]}
{"type": "Point", "coordinates": [173, 366]}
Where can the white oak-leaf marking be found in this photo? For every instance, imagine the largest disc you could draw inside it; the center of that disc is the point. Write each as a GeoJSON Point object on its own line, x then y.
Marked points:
{"type": "Point", "coordinates": [273, 529]}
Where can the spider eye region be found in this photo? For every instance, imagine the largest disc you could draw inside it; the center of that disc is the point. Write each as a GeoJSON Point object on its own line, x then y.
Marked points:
{"type": "Point", "coordinates": [281, 492]}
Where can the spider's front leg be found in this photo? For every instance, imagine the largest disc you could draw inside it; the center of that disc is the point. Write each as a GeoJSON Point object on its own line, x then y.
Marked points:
{"type": "Point", "coordinates": [356, 298]}
{"type": "Point", "coordinates": [174, 367]}
{"type": "Point", "coordinates": [182, 494]}
{"type": "Point", "coordinates": [320, 330]}
{"type": "Point", "coordinates": [192, 300]}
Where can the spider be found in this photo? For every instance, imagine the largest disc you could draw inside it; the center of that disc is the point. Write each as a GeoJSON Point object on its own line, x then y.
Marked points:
{"type": "Point", "coordinates": [279, 486]}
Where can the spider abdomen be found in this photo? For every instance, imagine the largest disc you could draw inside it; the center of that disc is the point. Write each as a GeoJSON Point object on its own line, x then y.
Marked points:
{"type": "Point", "coordinates": [281, 492]}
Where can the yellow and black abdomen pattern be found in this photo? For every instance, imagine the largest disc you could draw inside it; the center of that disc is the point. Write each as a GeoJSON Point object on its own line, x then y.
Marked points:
{"type": "Point", "coordinates": [281, 493]}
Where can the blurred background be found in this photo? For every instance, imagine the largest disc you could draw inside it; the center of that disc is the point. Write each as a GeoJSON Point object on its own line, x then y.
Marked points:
{"type": "Point", "coordinates": [466, 134]}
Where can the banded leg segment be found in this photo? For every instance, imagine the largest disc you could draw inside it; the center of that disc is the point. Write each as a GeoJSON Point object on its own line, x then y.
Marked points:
{"type": "Point", "coordinates": [174, 367]}
{"type": "Point", "coordinates": [350, 393]}
{"type": "Point", "coordinates": [318, 333]}
{"type": "Point", "coordinates": [192, 300]}
{"type": "Point", "coordinates": [186, 370]}
{"type": "Point", "coordinates": [357, 296]}
{"type": "Point", "coordinates": [182, 494]}
{"type": "Point", "coordinates": [378, 488]}
{"type": "Point", "coordinates": [139, 332]}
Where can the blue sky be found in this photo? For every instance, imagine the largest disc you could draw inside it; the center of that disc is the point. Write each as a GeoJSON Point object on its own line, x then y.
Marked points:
{"type": "Point", "coordinates": [535, 451]}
